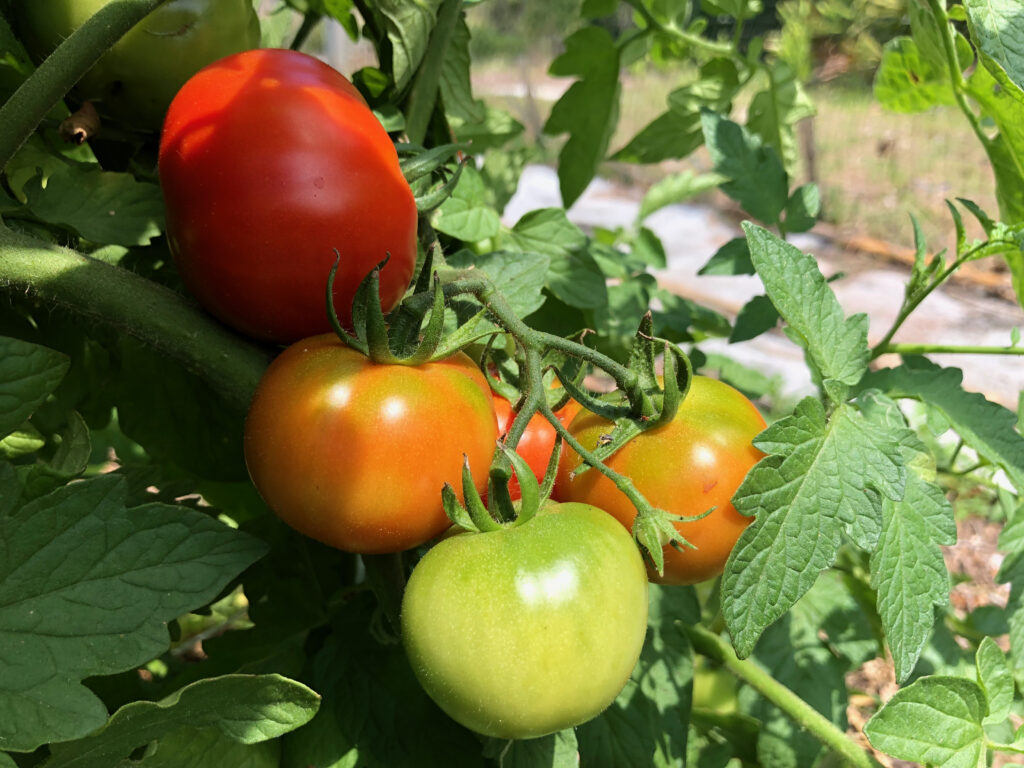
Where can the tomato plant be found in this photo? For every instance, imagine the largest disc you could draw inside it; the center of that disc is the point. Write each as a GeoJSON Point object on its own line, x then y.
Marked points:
{"type": "Point", "coordinates": [355, 454]}
{"type": "Point", "coordinates": [537, 442]}
{"type": "Point", "coordinates": [523, 631]}
{"type": "Point", "coordinates": [687, 467]}
{"type": "Point", "coordinates": [134, 82]}
{"type": "Point", "coordinates": [270, 164]}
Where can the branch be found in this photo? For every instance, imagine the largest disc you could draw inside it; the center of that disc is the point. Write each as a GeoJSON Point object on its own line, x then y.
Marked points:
{"type": "Point", "coordinates": [155, 315]}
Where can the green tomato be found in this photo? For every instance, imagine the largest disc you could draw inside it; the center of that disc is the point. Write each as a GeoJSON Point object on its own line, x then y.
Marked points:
{"type": "Point", "coordinates": [530, 629]}
{"type": "Point", "coordinates": [134, 82]}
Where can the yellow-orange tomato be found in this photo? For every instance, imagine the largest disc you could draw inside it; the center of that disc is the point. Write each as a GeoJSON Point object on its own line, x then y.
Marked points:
{"type": "Point", "coordinates": [355, 454]}
{"type": "Point", "coordinates": [686, 467]}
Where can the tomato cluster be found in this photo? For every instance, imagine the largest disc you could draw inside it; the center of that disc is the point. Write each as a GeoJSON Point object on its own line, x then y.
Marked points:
{"type": "Point", "coordinates": [273, 166]}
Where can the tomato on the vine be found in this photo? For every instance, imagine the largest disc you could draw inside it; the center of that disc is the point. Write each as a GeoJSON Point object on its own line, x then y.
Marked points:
{"type": "Point", "coordinates": [355, 453]}
{"type": "Point", "coordinates": [693, 464]}
{"type": "Point", "coordinates": [135, 80]}
{"type": "Point", "coordinates": [524, 631]}
{"type": "Point", "coordinates": [270, 163]}
{"type": "Point", "coordinates": [537, 442]}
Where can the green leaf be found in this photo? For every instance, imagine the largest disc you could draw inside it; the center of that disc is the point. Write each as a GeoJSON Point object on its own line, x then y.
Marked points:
{"type": "Point", "coordinates": [6, 761]}
{"type": "Point", "coordinates": [248, 709]}
{"type": "Point", "coordinates": [676, 188]}
{"type": "Point", "coordinates": [574, 276]}
{"type": "Point", "coordinates": [456, 89]}
{"type": "Point", "coordinates": [908, 571]}
{"type": "Point", "coordinates": [775, 111]}
{"type": "Point", "coordinates": [588, 111]}
{"type": "Point", "coordinates": [69, 460]}
{"type": "Point", "coordinates": [520, 276]}
{"type": "Point", "coordinates": [671, 135]}
{"type": "Point", "coordinates": [207, 748]}
{"type": "Point", "coordinates": [1011, 571]}
{"type": "Point", "coordinates": [86, 588]}
{"type": "Point", "coordinates": [819, 479]}
{"type": "Point", "coordinates": [934, 721]}
{"type": "Point", "coordinates": [374, 712]}
{"type": "Point", "coordinates": [101, 206]}
{"type": "Point", "coordinates": [29, 373]}
{"type": "Point", "coordinates": [466, 215]}
{"type": "Point", "coordinates": [559, 750]}
{"type": "Point", "coordinates": [836, 346]}
{"type": "Point", "coordinates": [757, 179]}
{"type": "Point", "coordinates": [408, 26]}
{"type": "Point", "coordinates": [995, 680]}
{"type": "Point", "coordinates": [22, 441]}
{"type": "Point", "coordinates": [733, 258]}
{"type": "Point", "coordinates": [996, 28]}
{"type": "Point", "coordinates": [645, 725]}
{"type": "Point", "coordinates": [906, 82]}
{"type": "Point", "coordinates": [987, 427]}
{"type": "Point", "coordinates": [757, 316]}
{"type": "Point", "coordinates": [802, 208]}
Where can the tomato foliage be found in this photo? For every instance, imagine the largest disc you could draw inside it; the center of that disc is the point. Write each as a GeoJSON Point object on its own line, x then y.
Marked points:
{"type": "Point", "coordinates": [321, 610]}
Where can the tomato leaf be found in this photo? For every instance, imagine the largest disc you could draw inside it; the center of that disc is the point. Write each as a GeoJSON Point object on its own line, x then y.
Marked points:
{"type": "Point", "coordinates": [995, 27]}
{"type": "Point", "coordinates": [995, 679]}
{"type": "Point", "coordinates": [559, 750]}
{"type": "Point", "coordinates": [1011, 571]}
{"type": "Point", "coordinates": [79, 549]}
{"type": "Point", "coordinates": [456, 88]}
{"type": "Point", "coordinates": [374, 714]}
{"type": "Point", "coordinates": [408, 28]}
{"type": "Point", "coordinates": [835, 346]}
{"type": "Point", "coordinates": [775, 111]}
{"type": "Point", "coordinates": [466, 215]}
{"type": "Point", "coordinates": [645, 725]}
{"type": "Point", "coordinates": [908, 82]}
{"type": "Point", "coordinates": [588, 111]}
{"type": "Point", "coordinates": [29, 373]}
{"type": "Point", "coordinates": [207, 748]}
{"type": "Point", "coordinates": [819, 479]}
{"type": "Point", "coordinates": [101, 206]}
{"type": "Point", "coordinates": [757, 180]}
{"type": "Point", "coordinates": [907, 567]}
{"type": "Point", "coordinates": [755, 317]}
{"type": "Point", "coordinates": [519, 275]}
{"type": "Point", "coordinates": [935, 721]}
{"type": "Point", "coordinates": [676, 188]}
{"type": "Point", "coordinates": [248, 709]}
{"type": "Point", "coordinates": [987, 427]}
{"type": "Point", "coordinates": [733, 258]}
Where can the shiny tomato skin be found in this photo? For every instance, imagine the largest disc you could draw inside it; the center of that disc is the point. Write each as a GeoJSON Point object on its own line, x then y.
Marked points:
{"type": "Point", "coordinates": [269, 161]}
{"type": "Point", "coordinates": [537, 442]}
{"type": "Point", "coordinates": [355, 454]}
{"type": "Point", "coordinates": [528, 630]}
{"type": "Point", "coordinates": [694, 463]}
{"type": "Point", "coordinates": [134, 82]}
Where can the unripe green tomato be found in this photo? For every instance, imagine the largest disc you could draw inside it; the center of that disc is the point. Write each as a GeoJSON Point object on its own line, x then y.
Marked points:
{"type": "Point", "coordinates": [134, 82]}
{"type": "Point", "coordinates": [527, 630]}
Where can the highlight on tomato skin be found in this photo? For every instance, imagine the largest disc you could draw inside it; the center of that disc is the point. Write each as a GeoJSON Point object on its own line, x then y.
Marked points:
{"type": "Point", "coordinates": [691, 465]}
{"type": "Point", "coordinates": [355, 454]}
{"type": "Point", "coordinates": [271, 165]}
{"type": "Point", "coordinates": [527, 630]}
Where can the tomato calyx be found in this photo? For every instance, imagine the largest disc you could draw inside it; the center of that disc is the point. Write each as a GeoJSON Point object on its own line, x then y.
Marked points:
{"type": "Point", "coordinates": [420, 164]}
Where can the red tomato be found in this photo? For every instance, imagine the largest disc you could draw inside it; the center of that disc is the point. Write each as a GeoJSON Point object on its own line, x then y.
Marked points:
{"type": "Point", "coordinates": [537, 442]}
{"type": "Point", "coordinates": [355, 454]}
{"type": "Point", "coordinates": [269, 161]}
{"type": "Point", "coordinates": [686, 467]}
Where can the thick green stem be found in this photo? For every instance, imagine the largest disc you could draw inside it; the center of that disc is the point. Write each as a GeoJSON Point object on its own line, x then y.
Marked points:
{"type": "Point", "coordinates": [936, 349]}
{"type": "Point", "coordinates": [155, 315]}
{"type": "Point", "coordinates": [26, 108]}
{"type": "Point", "coordinates": [803, 714]}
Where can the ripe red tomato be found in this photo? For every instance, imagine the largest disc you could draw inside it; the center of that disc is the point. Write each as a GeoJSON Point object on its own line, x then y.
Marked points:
{"type": "Point", "coordinates": [695, 462]}
{"type": "Point", "coordinates": [530, 629]}
{"type": "Point", "coordinates": [537, 442]}
{"type": "Point", "coordinates": [269, 161]}
{"type": "Point", "coordinates": [355, 454]}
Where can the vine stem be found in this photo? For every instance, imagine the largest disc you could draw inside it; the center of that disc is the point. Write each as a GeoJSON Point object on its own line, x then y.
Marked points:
{"type": "Point", "coordinates": [928, 349]}
{"type": "Point", "coordinates": [803, 714]}
{"type": "Point", "coordinates": [28, 105]}
{"type": "Point", "coordinates": [157, 316]}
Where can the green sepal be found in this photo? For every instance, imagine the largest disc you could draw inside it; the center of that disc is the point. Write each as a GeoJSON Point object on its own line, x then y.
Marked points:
{"type": "Point", "coordinates": [433, 332]}
{"type": "Point", "coordinates": [422, 162]}
{"type": "Point", "coordinates": [358, 344]}
{"type": "Point", "coordinates": [674, 393]}
{"type": "Point", "coordinates": [551, 472]}
{"type": "Point", "coordinates": [376, 327]}
{"type": "Point", "coordinates": [478, 513]}
{"type": "Point", "coordinates": [652, 530]}
{"type": "Point", "coordinates": [433, 198]}
{"type": "Point", "coordinates": [642, 356]}
{"type": "Point", "coordinates": [454, 509]}
{"type": "Point", "coordinates": [530, 496]}
{"type": "Point", "coordinates": [593, 404]}
{"type": "Point", "coordinates": [472, 330]}
{"type": "Point", "coordinates": [626, 428]}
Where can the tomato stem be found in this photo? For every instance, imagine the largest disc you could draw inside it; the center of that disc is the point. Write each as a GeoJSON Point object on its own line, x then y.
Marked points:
{"type": "Point", "coordinates": [709, 644]}
{"type": "Point", "coordinates": [22, 113]}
